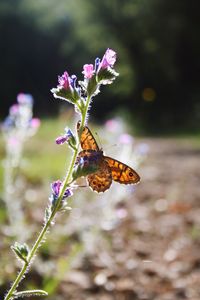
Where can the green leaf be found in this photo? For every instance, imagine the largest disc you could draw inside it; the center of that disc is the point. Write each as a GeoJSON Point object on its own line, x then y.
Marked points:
{"type": "Point", "coordinates": [76, 95]}
{"type": "Point", "coordinates": [29, 293]}
{"type": "Point", "coordinates": [92, 86]}
{"type": "Point", "coordinates": [47, 214]}
{"type": "Point", "coordinates": [83, 85]}
{"type": "Point", "coordinates": [106, 76]}
{"type": "Point", "coordinates": [64, 94]}
{"type": "Point", "coordinates": [72, 142]}
{"type": "Point", "coordinates": [21, 251]}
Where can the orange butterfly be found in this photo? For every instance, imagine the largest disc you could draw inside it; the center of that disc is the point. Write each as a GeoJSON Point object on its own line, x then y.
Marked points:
{"type": "Point", "coordinates": [108, 168]}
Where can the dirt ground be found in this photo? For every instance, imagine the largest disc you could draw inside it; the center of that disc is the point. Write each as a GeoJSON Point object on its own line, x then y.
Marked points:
{"type": "Point", "coordinates": [154, 253]}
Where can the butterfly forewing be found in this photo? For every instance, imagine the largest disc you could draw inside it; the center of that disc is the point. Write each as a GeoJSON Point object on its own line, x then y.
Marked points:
{"type": "Point", "coordinates": [87, 140]}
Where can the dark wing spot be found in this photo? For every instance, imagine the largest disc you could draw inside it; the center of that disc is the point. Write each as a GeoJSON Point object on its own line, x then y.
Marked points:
{"type": "Point", "coordinates": [130, 174]}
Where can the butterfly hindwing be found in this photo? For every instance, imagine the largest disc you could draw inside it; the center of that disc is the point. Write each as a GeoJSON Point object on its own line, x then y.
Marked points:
{"type": "Point", "coordinates": [101, 180]}
{"type": "Point", "coordinates": [121, 172]}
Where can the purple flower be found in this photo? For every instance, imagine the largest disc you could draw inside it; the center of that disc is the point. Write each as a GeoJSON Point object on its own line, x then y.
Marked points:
{"type": "Point", "coordinates": [68, 132]}
{"type": "Point", "coordinates": [24, 99]}
{"type": "Point", "coordinates": [64, 138]}
{"type": "Point", "coordinates": [64, 81]}
{"type": "Point", "coordinates": [61, 140]}
{"type": "Point", "coordinates": [14, 109]}
{"type": "Point", "coordinates": [108, 59]}
{"type": "Point", "coordinates": [56, 187]}
{"type": "Point", "coordinates": [97, 62]}
{"type": "Point", "coordinates": [73, 80]}
{"type": "Point", "coordinates": [88, 71]}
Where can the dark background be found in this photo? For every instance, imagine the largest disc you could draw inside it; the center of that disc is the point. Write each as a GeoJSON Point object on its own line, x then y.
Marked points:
{"type": "Point", "coordinates": [158, 48]}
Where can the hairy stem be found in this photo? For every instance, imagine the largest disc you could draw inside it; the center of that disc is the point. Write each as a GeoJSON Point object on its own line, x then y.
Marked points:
{"type": "Point", "coordinates": [40, 239]}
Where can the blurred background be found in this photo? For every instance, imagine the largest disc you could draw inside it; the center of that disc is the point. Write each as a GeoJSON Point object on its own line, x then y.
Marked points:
{"type": "Point", "coordinates": [129, 243]}
{"type": "Point", "coordinates": [157, 45]}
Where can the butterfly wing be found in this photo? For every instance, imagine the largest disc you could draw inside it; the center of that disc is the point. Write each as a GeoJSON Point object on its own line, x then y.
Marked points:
{"type": "Point", "coordinates": [87, 140]}
{"type": "Point", "coordinates": [121, 172]}
{"type": "Point", "coordinates": [101, 180]}
{"type": "Point", "coordinates": [108, 169]}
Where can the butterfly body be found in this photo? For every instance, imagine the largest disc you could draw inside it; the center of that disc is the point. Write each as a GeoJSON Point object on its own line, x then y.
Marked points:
{"type": "Point", "coordinates": [108, 169]}
{"type": "Point", "coordinates": [91, 156]}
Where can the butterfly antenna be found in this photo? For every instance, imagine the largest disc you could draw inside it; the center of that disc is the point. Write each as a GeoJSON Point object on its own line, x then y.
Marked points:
{"type": "Point", "coordinates": [79, 185]}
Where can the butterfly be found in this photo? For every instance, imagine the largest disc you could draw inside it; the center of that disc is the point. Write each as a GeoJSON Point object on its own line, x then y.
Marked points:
{"type": "Point", "coordinates": [107, 168]}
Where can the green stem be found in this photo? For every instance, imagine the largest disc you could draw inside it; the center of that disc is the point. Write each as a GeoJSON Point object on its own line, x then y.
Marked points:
{"type": "Point", "coordinates": [85, 112]}
{"type": "Point", "coordinates": [47, 225]}
{"type": "Point", "coordinates": [16, 282]}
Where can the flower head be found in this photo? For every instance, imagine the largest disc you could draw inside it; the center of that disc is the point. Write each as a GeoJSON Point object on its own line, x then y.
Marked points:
{"type": "Point", "coordinates": [97, 62]}
{"type": "Point", "coordinates": [108, 59]}
{"type": "Point", "coordinates": [61, 140]}
{"type": "Point", "coordinates": [64, 81]}
{"type": "Point", "coordinates": [24, 99]}
{"type": "Point", "coordinates": [66, 88]}
{"type": "Point", "coordinates": [73, 80]}
{"type": "Point", "coordinates": [88, 71]}
{"type": "Point", "coordinates": [14, 109]}
{"type": "Point", "coordinates": [105, 71]}
{"type": "Point", "coordinates": [68, 137]}
{"type": "Point", "coordinates": [56, 187]}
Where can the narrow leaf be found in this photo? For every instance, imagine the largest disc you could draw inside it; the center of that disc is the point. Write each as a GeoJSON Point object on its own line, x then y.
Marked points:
{"type": "Point", "coordinates": [29, 293]}
{"type": "Point", "coordinates": [18, 254]}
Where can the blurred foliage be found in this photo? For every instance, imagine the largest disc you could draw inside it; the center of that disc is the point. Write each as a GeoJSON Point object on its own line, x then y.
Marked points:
{"type": "Point", "coordinates": [156, 42]}
{"type": "Point", "coordinates": [43, 160]}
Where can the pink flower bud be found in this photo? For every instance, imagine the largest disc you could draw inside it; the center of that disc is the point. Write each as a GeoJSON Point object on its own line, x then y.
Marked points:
{"type": "Point", "coordinates": [88, 71]}
{"type": "Point", "coordinates": [108, 59]}
{"type": "Point", "coordinates": [64, 81]}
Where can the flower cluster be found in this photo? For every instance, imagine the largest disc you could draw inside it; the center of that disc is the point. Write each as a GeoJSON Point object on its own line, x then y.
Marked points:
{"type": "Point", "coordinates": [56, 187]}
{"type": "Point", "coordinates": [17, 129]}
{"type": "Point", "coordinates": [19, 125]}
{"type": "Point", "coordinates": [20, 116]}
{"type": "Point", "coordinates": [101, 72]}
